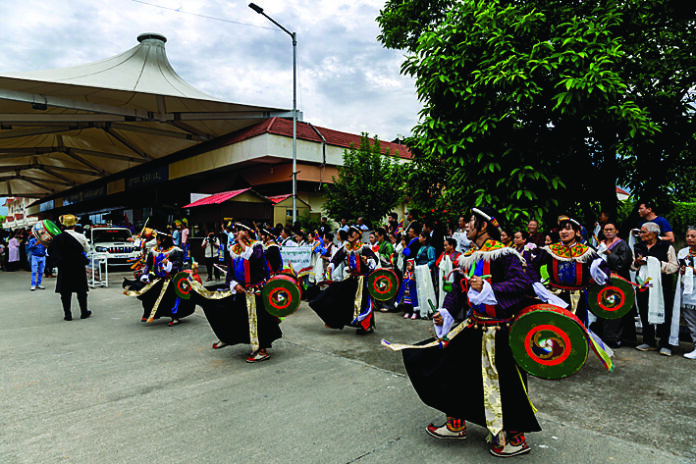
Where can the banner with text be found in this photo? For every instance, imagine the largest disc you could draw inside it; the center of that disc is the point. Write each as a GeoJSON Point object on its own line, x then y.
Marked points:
{"type": "Point", "coordinates": [300, 257]}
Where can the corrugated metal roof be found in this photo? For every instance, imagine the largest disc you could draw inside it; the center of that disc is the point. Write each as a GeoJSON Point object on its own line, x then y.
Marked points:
{"type": "Point", "coordinates": [217, 198]}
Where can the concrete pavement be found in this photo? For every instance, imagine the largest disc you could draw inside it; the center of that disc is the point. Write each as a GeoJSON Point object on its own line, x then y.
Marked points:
{"type": "Point", "coordinates": [111, 389]}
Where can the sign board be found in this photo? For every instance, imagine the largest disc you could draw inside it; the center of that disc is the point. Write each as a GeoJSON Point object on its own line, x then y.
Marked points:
{"type": "Point", "coordinates": [300, 257]}
{"type": "Point", "coordinates": [144, 179]}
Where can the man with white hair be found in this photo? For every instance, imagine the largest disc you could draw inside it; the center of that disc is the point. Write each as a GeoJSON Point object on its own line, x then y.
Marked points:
{"type": "Point", "coordinates": [655, 262]}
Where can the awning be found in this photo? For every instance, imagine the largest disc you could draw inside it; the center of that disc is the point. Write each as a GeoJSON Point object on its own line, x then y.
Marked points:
{"type": "Point", "coordinates": [63, 128]}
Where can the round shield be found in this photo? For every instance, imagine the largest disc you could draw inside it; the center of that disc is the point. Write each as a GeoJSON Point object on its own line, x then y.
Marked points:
{"type": "Point", "coordinates": [548, 341]}
{"type": "Point", "coordinates": [51, 226]}
{"type": "Point", "coordinates": [289, 272]}
{"type": "Point", "coordinates": [281, 296]}
{"type": "Point", "coordinates": [182, 285]}
{"type": "Point", "coordinates": [383, 284]}
{"type": "Point", "coordinates": [613, 300]}
{"type": "Point", "coordinates": [44, 231]}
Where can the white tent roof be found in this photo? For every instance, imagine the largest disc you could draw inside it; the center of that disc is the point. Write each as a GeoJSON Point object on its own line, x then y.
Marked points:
{"type": "Point", "coordinates": [65, 127]}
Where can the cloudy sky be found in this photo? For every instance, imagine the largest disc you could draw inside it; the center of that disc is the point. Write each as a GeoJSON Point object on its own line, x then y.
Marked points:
{"type": "Point", "coordinates": [346, 80]}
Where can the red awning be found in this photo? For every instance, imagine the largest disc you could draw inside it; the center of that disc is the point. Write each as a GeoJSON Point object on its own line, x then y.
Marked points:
{"type": "Point", "coordinates": [217, 198]}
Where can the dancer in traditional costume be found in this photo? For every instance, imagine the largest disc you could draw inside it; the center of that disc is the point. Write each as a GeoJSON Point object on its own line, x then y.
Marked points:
{"type": "Point", "coordinates": [348, 302]}
{"type": "Point", "coordinates": [158, 297]}
{"type": "Point", "coordinates": [472, 375]}
{"type": "Point", "coordinates": [572, 268]}
{"type": "Point", "coordinates": [237, 314]}
{"type": "Point", "coordinates": [272, 252]}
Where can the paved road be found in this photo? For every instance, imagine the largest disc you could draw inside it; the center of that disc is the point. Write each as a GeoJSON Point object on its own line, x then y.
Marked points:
{"type": "Point", "coordinates": [110, 389]}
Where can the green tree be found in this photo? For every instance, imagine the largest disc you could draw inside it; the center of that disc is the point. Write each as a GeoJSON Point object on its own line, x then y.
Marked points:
{"type": "Point", "coordinates": [540, 107]}
{"type": "Point", "coordinates": [369, 184]}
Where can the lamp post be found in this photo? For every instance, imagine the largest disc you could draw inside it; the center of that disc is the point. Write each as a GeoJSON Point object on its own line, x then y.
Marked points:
{"type": "Point", "coordinates": [293, 35]}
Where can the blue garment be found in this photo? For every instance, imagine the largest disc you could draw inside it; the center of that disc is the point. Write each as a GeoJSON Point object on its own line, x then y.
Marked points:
{"type": "Point", "coordinates": [37, 268]}
{"type": "Point", "coordinates": [407, 251]}
{"type": "Point", "coordinates": [426, 255]}
{"type": "Point", "coordinates": [176, 237]}
{"type": "Point", "coordinates": [35, 248]}
{"type": "Point", "coordinates": [660, 221]}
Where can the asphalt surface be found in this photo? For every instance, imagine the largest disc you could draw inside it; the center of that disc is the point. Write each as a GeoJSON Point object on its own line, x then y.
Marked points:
{"type": "Point", "coordinates": [110, 389]}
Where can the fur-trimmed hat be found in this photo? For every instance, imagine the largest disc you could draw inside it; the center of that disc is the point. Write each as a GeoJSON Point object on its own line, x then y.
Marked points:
{"type": "Point", "coordinates": [487, 214]}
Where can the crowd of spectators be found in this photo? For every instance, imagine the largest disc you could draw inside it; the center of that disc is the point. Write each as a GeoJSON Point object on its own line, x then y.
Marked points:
{"type": "Point", "coordinates": [645, 256]}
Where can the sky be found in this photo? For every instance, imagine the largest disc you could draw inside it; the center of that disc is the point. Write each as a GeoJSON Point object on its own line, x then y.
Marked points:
{"type": "Point", "coordinates": [346, 80]}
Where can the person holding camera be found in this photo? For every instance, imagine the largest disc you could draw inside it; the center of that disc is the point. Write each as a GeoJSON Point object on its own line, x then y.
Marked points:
{"type": "Point", "coordinates": [211, 250]}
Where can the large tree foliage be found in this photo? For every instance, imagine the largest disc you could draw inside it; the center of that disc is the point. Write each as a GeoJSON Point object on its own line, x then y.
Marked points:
{"type": "Point", "coordinates": [540, 107]}
{"type": "Point", "coordinates": [369, 184]}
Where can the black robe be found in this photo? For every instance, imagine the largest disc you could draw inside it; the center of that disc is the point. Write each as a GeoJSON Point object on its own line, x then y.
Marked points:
{"type": "Point", "coordinates": [335, 305]}
{"type": "Point", "coordinates": [449, 379]}
{"type": "Point", "coordinates": [67, 255]}
{"type": "Point", "coordinates": [228, 316]}
{"type": "Point", "coordinates": [170, 305]}
{"type": "Point", "coordinates": [229, 319]}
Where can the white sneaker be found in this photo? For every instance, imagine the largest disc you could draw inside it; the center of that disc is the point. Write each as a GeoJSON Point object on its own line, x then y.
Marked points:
{"type": "Point", "coordinates": [33, 288]}
{"type": "Point", "coordinates": [691, 355]}
{"type": "Point", "coordinates": [665, 352]}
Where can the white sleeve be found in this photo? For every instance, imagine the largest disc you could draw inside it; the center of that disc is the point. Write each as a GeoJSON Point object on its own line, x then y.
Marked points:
{"type": "Point", "coordinates": [246, 254]}
{"type": "Point", "coordinates": [547, 297]}
{"type": "Point", "coordinates": [485, 296]}
{"type": "Point", "coordinates": [597, 274]}
{"type": "Point", "coordinates": [233, 284]}
{"type": "Point", "coordinates": [447, 323]}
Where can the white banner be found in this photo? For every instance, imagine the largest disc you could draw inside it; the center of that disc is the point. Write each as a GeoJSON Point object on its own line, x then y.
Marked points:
{"type": "Point", "coordinates": [300, 257]}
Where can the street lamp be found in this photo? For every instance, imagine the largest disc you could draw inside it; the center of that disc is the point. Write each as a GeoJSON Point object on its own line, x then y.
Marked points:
{"type": "Point", "coordinates": [293, 35]}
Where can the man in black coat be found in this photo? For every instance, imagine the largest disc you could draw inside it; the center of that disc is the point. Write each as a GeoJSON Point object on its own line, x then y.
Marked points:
{"type": "Point", "coordinates": [67, 250]}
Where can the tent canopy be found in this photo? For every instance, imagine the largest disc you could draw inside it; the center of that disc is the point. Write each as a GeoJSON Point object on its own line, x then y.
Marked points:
{"type": "Point", "coordinates": [62, 128]}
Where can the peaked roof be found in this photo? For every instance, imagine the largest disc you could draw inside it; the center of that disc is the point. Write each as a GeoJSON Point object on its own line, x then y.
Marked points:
{"type": "Point", "coordinates": [218, 198]}
{"type": "Point", "coordinates": [278, 198]}
{"type": "Point", "coordinates": [143, 68]}
{"type": "Point", "coordinates": [281, 126]}
{"type": "Point", "coordinates": [65, 127]}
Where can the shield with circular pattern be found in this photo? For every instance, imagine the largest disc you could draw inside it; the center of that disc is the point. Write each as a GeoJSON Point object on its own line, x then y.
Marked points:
{"type": "Point", "coordinates": [182, 285]}
{"type": "Point", "coordinates": [613, 300]}
{"type": "Point", "coordinates": [548, 341]}
{"type": "Point", "coordinates": [281, 296]}
{"type": "Point", "coordinates": [383, 284]}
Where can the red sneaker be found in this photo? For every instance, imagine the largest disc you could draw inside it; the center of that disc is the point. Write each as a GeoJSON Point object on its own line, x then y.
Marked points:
{"type": "Point", "coordinates": [514, 447]}
{"type": "Point", "coordinates": [258, 356]}
{"type": "Point", "coordinates": [218, 345]}
{"type": "Point", "coordinates": [453, 429]}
